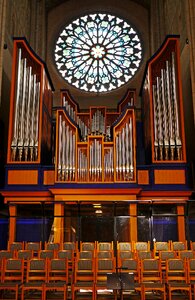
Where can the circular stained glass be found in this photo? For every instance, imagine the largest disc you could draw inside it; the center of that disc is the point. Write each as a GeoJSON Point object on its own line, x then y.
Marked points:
{"type": "Point", "coordinates": [98, 52]}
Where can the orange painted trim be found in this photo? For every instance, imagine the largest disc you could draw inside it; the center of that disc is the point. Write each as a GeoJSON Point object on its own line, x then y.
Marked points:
{"type": "Point", "coordinates": [143, 177]}
{"type": "Point", "coordinates": [23, 177]}
{"type": "Point", "coordinates": [169, 177]}
{"type": "Point", "coordinates": [12, 223]}
{"type": "Point", "coordinates": [49, 177]}
{"type": "Point", "coordinates": [12, 97]}
{"type": "Point", "coordinates": [95, 191]}
{"type": "Point", "coordinates": [181, 223]}
{"type": "Point", "coordinates": [13, 194]}
{"type": "Point", "coordinates": [174, 194]}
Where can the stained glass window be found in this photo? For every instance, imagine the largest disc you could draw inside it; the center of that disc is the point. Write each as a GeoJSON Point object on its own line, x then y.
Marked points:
{"type": "Point", "coordinates": [98, 52]}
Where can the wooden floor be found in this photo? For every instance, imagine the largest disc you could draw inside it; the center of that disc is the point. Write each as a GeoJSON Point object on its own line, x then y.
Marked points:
{"type": "Point", "coordinates": [126, 296]}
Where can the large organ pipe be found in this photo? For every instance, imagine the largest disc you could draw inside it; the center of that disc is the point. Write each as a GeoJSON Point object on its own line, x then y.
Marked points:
{"type": "Point", "coordinates": [131, 148]}
{"type": "Point", "coordinates": [27, 117]}
{"type": "Point", "coordinates": [155, 122]}
{"type": "Point", "coordinates": [159, 116]}
{"type": "Point", "coordinates": [175, 105]}
{"type": "Point", "coordinates": [36, 123]}
{"type": "Point", "coordinates": [59, 147]}
{"type": "Point", "coordinates": [21, 114]}
{"type": "Point", "coordinates": [16, 115]}
{"type": "Point", "coordinates": [169, 109]}
{"type": "Point", "coordinates": [165, 122]}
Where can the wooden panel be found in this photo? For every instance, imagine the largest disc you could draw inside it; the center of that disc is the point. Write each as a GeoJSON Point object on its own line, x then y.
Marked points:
{"type": "Point", "coordinates": [49, 177]}
{"type": "Point", "coordinates": [143, 177]}
{"type": "Point", "coordinates": [169, 177]}
{"type": "Point", "coordinates": [22, 177]}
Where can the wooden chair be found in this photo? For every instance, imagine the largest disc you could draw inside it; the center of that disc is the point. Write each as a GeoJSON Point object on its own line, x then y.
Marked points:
{"type": "Point", "coordinates": [161, 246]}
{"type": "Point", "coordinates": [35, 278]}
{"type": "Point", "coordinates": [186, 254]}
{"type": "Point", "coordinates": [124, 246]}
{"type": "Point", "coordinates": [85, 254]}
{"type": "Point", "coordinates": [6, 254]}
{"type": "Point", "coordinates": [15, 246]}
{"type": "Point", "coordinates": [69, 246]}
{"type": "Point", "coordinates": [151, 277]}
{"type": "Point", "coordinates": [84, 277]}
{"type": "Point", "coordinates": [12, 275]}
{"type": "Point", "coordinates": [104, 246]}
{"type": "Point", "coordinates": [25, 254]}
{"type": "Point", "coordinates": [144, 254]}
{"type": "Point", "coordinates": [141, 246]}
{"type": "Point", "coordinates": [131, 265]}
{"type": "Point", "coordinates": [103, 267]}
{"type": "Point", "coordinates": [46, 254]}
{"type": "Point", "coordinates": [105, 254]}
{"type": "Point", "coordinates": [192, 246]}
{"type": "Point", "coordinates": [87, 246]}
{"type": "Point", "coordinates": [35, 247]}
{"type": "Point", "coordinates": [191, 274]}
{"type": "Point", "coordinates": [179, 246]}
{"type": "Point", "coordinates": [164, 255]}
{"type": "Point", "coordinates": [125, 254]}
{"type": "Point", "coordinates": [57, 277]}
{"type": "Point", "coordinates": [69, 256]}
{"type": "Point", "coordinates": [52, 246]}
{"type": "Point", "coordinates": [176, 277]}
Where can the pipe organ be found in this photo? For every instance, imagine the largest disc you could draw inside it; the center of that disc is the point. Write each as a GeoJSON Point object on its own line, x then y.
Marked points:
{"type": "Point", "coordinates": [97, 146]}
{"type": "Point", "coordinates": [30, 105]}
{"type": "Point", "coordinates": [62, 154]}
{"type": "Point", "coordinates": [162, 93]}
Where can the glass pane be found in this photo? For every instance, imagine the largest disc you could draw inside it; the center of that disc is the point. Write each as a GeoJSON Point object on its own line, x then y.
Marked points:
{"type": "Point", "coordinates": [165, 228]}
{"type": "Point", "coordinates": [123, 229]}
{"type": "Point", "coordinates": [4, 225]}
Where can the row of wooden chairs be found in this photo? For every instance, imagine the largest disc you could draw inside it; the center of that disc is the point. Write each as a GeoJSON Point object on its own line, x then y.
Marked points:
{"type": "Point", "coordinates": [103, 246]}
{"type": "Point", "coordinates": [91, 275]}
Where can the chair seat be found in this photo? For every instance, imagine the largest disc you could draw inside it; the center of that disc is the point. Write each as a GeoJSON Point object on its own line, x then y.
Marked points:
{"type": "Point", "coordinates": [83, 284]}
{"type": "Point", "coordinates": [10, 284]}
{"type": "Point", "coordinates": [154, 285]}
{"type": "Point", "coordinates": [179, 284]}
{"type": "Point", "coordinates": [55, 284]}
{"type": "Point", "coordinates": [33, 284]}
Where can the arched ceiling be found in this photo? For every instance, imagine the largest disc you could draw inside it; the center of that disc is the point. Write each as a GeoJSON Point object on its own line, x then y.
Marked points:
{"type": "Point", "coordinates": [50, 4]}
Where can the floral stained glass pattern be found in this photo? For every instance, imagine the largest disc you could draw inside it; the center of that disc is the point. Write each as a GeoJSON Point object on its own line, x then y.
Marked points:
{"type": "Point", "coordinates": [98, 52]}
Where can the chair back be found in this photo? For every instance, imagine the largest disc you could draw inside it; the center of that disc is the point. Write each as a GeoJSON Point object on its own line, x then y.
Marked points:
{"type": "Point", "coordinates": [13, 270]}
{"type": "Point", "coordinates": [36, 270]}
{"type": "Point", "coordinates": [151, 270]}
{"type": "Point", "coordinates": [58, 270]}
{"type": "Point", "coordinates": [176, 270]}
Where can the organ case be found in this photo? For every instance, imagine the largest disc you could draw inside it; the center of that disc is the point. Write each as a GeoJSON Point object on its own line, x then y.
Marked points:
{"type": "Point", "coordinates": [162, 105]}
{"type": "Point", "coordinates": [95, 146]}
{"type": "Point", "coordinates": [30, 121]}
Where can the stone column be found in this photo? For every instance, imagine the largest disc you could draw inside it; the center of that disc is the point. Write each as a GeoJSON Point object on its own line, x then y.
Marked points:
{"type": "Point", "coordinates": [157, 24]}
{"type": "Point", "coordinates": [190, 21]}
{"type": "Point", "coordinates": [2, 36]}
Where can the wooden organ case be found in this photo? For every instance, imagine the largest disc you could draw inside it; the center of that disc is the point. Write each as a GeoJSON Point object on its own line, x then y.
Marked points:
{"type": "Point", "coordinates": [30, 125]}
{"type": "Point", "coordinates": [162, 105]}
{"type": "Point", "coordinates": [95, 146]}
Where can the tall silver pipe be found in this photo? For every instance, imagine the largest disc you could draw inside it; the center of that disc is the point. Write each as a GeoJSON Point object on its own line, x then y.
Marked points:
{"type": "Point", "coordinates": [16, 108]}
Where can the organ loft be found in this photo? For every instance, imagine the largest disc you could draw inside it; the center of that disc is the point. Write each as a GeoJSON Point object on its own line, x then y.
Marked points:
{"type": "Point", "coordinates": [99, 123]}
